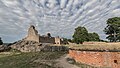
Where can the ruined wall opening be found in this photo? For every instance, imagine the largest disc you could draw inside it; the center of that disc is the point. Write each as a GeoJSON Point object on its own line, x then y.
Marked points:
{"type": "Point", "coordinates": [115, 61]}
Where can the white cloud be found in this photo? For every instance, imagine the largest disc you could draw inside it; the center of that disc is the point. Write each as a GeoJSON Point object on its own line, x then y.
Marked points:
{"type": "Point", "coordinates": [59, 17]}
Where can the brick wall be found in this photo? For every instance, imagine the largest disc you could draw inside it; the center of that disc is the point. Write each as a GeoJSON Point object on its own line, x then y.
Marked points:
{"type": "Point", "coordinates": [98, 59]}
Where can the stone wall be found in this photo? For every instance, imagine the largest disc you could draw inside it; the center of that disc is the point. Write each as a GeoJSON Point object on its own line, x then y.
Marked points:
{"type": "Point", "coordinates": [34, 36]}
{"type": "Point", "coordinates": [4, 48]}
{"type": "Point", "coordinates": [26, 46]}
{"type": "Point", "coordinates": [31, 46]}
{"type": "Point", "coordinates": [55, 48]}
{"type": "Point", "coordinates": [58, 41]}
{"type": "Point", "coordinates": [98, 59]}
{"type": "Point", "coordinates": [47, 40]}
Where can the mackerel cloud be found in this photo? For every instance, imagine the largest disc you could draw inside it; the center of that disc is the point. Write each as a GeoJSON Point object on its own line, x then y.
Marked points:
{"type": "Point", "coordinates": [59, 17]}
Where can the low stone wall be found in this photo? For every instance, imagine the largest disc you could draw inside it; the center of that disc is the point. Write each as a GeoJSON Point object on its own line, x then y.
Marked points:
{"type": "Point", "coordinates": [55, 48]}
{"type": "Point", "coordinates": [47, 40]}
{"type": "Point", "coordinates": [97, 59]}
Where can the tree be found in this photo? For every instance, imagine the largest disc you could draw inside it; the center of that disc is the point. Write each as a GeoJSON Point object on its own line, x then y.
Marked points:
{"type": "Point", "coordinates": [48, 34]}
{"type": "Point", "coordinates": [112, 30]}
{"type": "Point", "coordinates": [1, 42]}
{"type": "Point", "coordinates": [70, 40]}
{"type": "Point", "coordinates": [65, 40]}
{"type": "Point", "coordinates": [93, 37]}
{"type": "Point", "coordinates": [80, 35]}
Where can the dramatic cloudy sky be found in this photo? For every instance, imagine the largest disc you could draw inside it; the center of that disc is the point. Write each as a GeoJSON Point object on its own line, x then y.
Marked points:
{"type": "Point", "coordinates": [59, 17]}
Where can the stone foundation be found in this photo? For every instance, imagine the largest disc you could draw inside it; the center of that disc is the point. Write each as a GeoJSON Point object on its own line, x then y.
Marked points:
{"type": "Point", "coordinates": [32, 46]}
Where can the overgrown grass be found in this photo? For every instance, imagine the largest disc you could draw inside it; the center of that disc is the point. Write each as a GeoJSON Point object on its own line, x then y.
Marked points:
{"type": "Point", "coordinates": [102, 47]}
{"type": "Point", "coordinates": [26, 60]}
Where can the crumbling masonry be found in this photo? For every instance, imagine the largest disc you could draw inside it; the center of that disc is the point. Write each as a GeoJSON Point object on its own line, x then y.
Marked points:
{"type": "Point", "coordinates": [34, 36]}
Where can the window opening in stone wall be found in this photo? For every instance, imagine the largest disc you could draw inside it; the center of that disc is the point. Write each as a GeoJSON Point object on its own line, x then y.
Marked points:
{"type": "Point", "coordinates": [115, 61]}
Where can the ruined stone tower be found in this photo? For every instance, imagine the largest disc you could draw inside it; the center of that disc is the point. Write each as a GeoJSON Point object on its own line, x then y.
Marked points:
{"type": "Point", "coordinates": [32, 34]}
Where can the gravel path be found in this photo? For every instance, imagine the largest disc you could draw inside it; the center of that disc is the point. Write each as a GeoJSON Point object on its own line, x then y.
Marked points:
{"type": "Point", "coordinates": [63, 63]}
{"type": "Point", "coordinates": [59, 63]}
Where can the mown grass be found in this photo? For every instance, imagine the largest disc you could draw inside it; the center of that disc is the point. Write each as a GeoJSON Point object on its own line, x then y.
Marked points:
{"type": "Point", "coordinates": [26, 60]}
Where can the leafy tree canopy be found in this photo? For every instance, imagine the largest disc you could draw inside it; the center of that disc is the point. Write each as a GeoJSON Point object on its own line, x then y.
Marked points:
{"type": "Point", "coordinates": [93, 37]}
{"type": "Point", "coordinates": [81, 34]}
{"type": "Point", "coordinates": [113, 29]}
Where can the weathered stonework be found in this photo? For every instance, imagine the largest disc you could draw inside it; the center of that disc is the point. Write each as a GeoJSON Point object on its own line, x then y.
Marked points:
{"type": "Point", "coordinates": [32, 46]}
{"type": "Point", "coordinates": [34, 36]}
{"type": "Point", "coordinates": [26, 46]}
{"type": "Point", "coordinates": [4, 48]}
{"type": "Point", "coordinates": [34, 42]}
{"type": "Point", "coordinates": [98, 59]}
{"type": "Point", "coordinates": [58, 41]}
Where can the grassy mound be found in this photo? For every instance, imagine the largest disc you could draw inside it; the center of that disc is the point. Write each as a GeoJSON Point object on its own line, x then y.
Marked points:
{"type": "Point", "coordinates": [102, 47]}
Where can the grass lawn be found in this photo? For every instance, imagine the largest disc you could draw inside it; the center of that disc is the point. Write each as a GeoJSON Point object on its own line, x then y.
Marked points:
{"type": "Point", "coordinates": [26, 60]}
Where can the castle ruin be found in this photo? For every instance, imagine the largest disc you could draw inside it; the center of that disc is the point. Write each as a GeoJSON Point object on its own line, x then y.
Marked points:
{"type": "Point", "coordinates": [34, 42]}
{"type": "Point", "coordinates": [34, 36]}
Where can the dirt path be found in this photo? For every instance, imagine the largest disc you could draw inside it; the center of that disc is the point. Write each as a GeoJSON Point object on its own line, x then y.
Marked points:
{"type": "Point", "coordinates": [58, 63]}
{"type": "Point", "coordinates": [63, 63]}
